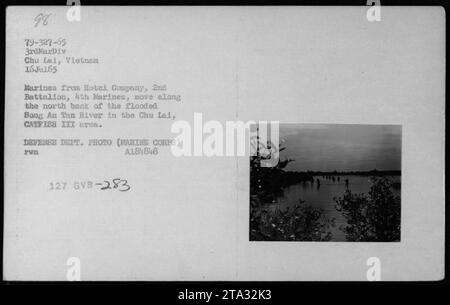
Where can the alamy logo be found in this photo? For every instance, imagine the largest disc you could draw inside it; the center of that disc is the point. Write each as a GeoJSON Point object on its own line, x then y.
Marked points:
{"type": "Point", "coordinates": [74, 271]}
{"type": "Point", "coordinates": [374, 271]}
{"type": "Point", "coordinates": [234, 138]}
{"type": "Point", "coordinates": [74, 12]}
{"type": "Point", "coordinates": [374, 12]}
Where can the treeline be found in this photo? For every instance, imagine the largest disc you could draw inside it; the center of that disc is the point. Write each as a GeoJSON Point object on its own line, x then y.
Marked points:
{"type": "Point", "coordinates": [269, 182]}
{"type": "Point", "coordinates": [374, 172]}
{"type": "Point", "coordinates": [273, 180]}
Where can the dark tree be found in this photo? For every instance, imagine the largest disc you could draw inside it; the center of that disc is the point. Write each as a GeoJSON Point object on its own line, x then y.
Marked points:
{"type": "Point", "coordinates": [372, 217]}
{"type": "Point", "coordinates": [303, 222]}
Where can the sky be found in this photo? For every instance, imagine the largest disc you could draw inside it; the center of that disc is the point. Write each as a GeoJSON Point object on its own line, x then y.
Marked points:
{"type": "Point", "coordinates": [329, 147]}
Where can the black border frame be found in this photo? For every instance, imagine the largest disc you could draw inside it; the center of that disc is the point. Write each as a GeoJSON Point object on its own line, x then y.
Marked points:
{"type": "Point", "coordinates": [168, 291]}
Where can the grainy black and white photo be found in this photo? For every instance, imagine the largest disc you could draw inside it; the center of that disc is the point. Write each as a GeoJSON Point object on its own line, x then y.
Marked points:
{"type": "Point", "coordinates": [332, 183]}
{"type": "Point", "coordinates": [226, 143]}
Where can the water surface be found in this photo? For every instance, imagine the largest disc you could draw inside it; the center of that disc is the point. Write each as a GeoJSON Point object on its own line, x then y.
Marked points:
{"type": "Point", "coordinates": [321, 196]}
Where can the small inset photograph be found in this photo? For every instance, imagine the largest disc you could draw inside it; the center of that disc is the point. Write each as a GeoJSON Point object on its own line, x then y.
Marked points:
{"type": "Point", "coordinates": [332, 182]}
